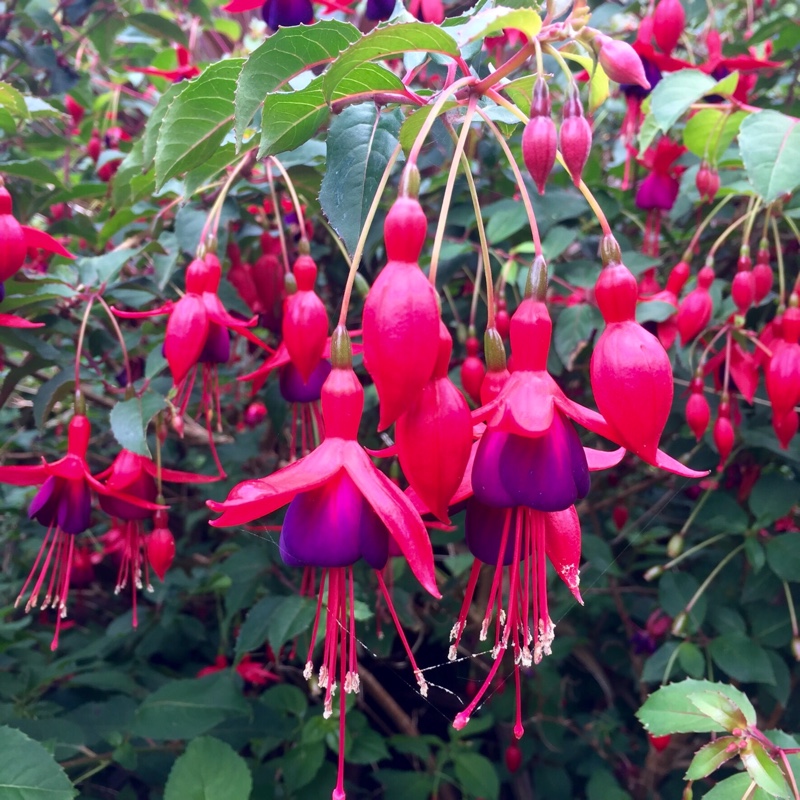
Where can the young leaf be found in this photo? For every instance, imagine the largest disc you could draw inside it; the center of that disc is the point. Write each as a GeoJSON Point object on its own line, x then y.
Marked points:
{"type": "Point", "coordinates": [285, 54]}
{"type": "Point", "coordinates": [197, 121]}
{"type": "Point", "coordinates": [709, 758]}
{"type": "Point", "coordinates": [292, 118]}
{"type": "Point", "coordinates": [209, 770]}
{"type": "Point", "coordinates": [719, 708]}
{"type": "Point", "coordinates": [674, 94]}
{"type": "Point", "coordinates": [770, 146]}
{"type": "Point", "coordinates": [764, 771]}
{"type": "Point", "coordinates": [669, 710]}
{"type": "Point", "coordinates": [388, 42]}
{"type": "Point", "coordinates": [494, 20]}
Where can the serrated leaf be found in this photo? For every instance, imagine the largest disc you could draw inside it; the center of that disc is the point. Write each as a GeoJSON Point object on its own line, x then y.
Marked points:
{"type": "Point", "coordinates": [599, 85]}
{"type": "Point", "coordinates": [413, 123]}
{"type": "Point", "coordinates": [292, 118]}
{"type": "Point", "coordinates": [709, 758]}
{"type": "Point", "coordinates": [28, 771]}
{"type": "Point", "coordinates": [39, 109]}
{"type": "Point", "coordinates": [285, 54]}
{"type": "Point", "coordinates": [719, 708]}
{"type": "Point", "coordinates": [361, 141]}
{"type": "Point", "coordinates": [153, 127]}
{"type": "Point", "coordinates": [674, 94]}
{"type": "Point", "coordinates": [669, 710]}
{"type": "Point", "coordinates": [710, 131]}
{"type": "Point", "coordinates": [367, 78]}
{"type": "Point", "coordinates": [209, 770]}
{"type": "Point", "coordinates": [494, 20]}
{"type": "Point", "coordinates": [763, 770]}
{"type": "Point", "coordinates": [11, 99]}
{"type": "Point", "coordinates": [769, 143]}
{"type": "Point", "coordinates": [97, 270]}
{"type": "Point", "coordinates": [197, 120]}
{"type": "Point", "coordinates": [183, 709]}
{"type": "Point", "coordinates": [50, 392]}
{"type": "Point", "coordinates": [129, 420]}
{"type": "Point", "coordinates": [386, 42]}
{"type": "Point", "coordinates": [33, 170]}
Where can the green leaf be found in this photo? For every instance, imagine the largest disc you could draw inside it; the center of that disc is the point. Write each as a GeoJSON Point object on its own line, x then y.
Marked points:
{"type": "Point", "coordinates": [648, 132]}
{"type": "Point", "coordinates": [361, 141]}
{"type": "Point", "coordinates": [253, 632]}
{"type": "Point", "coordinates": [742, 658]}
{"type": "Point", "coordinates": [735, 788]}
{"type": "Point", "coordinates": [598, 81]}
{"type": "Point", "coordinates": [763, 770]}
{"type": "Point", "coordinates": [720, 708]}
{"type": "Point", "coordinates": [34, 170]}
{"type": "Point", "coordinates": [284, 55]}
{"type": "Point", "coordinates": [654, 311]}
{"type": "Point", "coordinates": [159, 26]}
{"type": "Point", "coordinates": [674, 94]}
{"type": "Point", "coordinates": [367, 78]}
{"type": "Point", "coordinates": [197, 121]}
{"type": "Point", "coordinates": [783, 556]}
{"type": "Point", "coordinates": [413, 123]}
{"type": "Point", "coordinates": [773, 497]}
{"type": "Point", "coordinates": [153, 127]}
{"type": "Point", "coordinates": [710, 131]}
{"type": "Point", "coordinates": [709, 758]}
{"type": "Point", "coordinates": [669, 710]}
{"type": "Point", "coordinates": [50, 392]}
{"type": "Point", "coordinates": [770, 146]}
{"type": "Point", "coordinates": [387, 42]}
{"type": "Point", "coordinates": [675, 591]}
{"type": "Point", "coordinates": [183, 709]}
{"type": "Point", "coordinates": [96, 270]}
{"type": "Point", "coordinates": [476, 775]}
{"type": "Point", "coordinates": [39, 109]}
{"type": "Point", "coordinates": [494, 20]}
{"type": "Point", "coordinates": [129, 419]}
{"type": "Point", "coordinates": [292, 118]}
{"type": "Point", "coordinates": [574, 328]}
{"type": "Point", "coordinates": [28, 771]}
{"type": "Point", "coordinates": [691, 659]}
{"type": "Point", "coordinates": [12, 100]}
{"type": "Point", "coordinates": [293, 616]}
{"type": "Point", "coordinates": [209, 770]}
{"type": "Point", "coordinates": [301, 765]}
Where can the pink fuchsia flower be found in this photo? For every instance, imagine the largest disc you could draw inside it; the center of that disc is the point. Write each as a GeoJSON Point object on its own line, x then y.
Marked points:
{"type": "Point", "coordinates": [184, 70]}
{"type": "Point", "coordinates": [341, 509]}
{"type": "Point", "coordinates": [64, 505]}
{"type": "Point", "coordinates": [659, 190]}
{"type": "Point", "coordinates": [285, 13]}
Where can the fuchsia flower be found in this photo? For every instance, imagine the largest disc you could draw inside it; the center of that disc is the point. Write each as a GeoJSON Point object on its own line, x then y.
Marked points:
{"type": "Point", "coordinates": [783, 376]}
{"type": "Point", "coordinates": [185, 70]}
{"type": "Point", "coordinates": [285, 13]}
{"type": "Point", "coordinates": [16, 240]}
{"type": "Point", "coordinates": [659, 190]}
{"type": "Point", "coordinates": [341, 509]}
{"type": "Point", "coordinates": [401, 315]}
{"type": "Point", "coordinates": [197, 336]}
{"type": "Point", "coordinates": [64, 505]}
{"type": "Point", "coordinates": [261, 284]}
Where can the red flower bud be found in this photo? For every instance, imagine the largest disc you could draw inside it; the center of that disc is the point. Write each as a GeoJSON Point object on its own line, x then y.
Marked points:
{"type": "Point", "coordinates": [783, 371]}
{"type": "Point", "coordinates": [502, 320]}
{"type": "Point", "coordinates": [434, 436]}
{"type": "Point", "coordinates": [695, 310]}
{"type": "Point", "coordinates": [742, 290]}
{"type": "Point", "coordinates": [669, 19]}
{"type": "Point", "coordinates": [513, 757]}
{"type": "Point", "coordinates": [723, 434]}
{"type": "Point", "coordinates": [95, 146]}
{"type": "Point", "coordinates": [620, 516]}
{"type": "Point", "coordinates": [161, 551]}
{"type": "Point", "coordinates": [575, 136]}
{"type": "Point", "coordinates": [763, 278]}
{"type": "Point", "coordinates": [74, 109]}
{"type": "Point", "coordinates": [678, 277]}
{"type": "Point", "coordinates": [698, 414]}
{"type": "Point", "coordinates": [540, 138]}
{"type": "Point", "coordinates": [785, 427]}
{"type": "Point", "coordinates": [401, 315]}
{"type": "Point", "coordinates": [472, 371]}
{"type": "Point", "coordinates": [305, 321]}
{"type": "Point", "coordinates": [630, 372]}
{"type": "Point", "coordinates": [707, 182]}
{"type": "Point", "coordinates": [255, 414]}
{"type": "Point", "coordinates": [660, 743]}
{"type": "Point", "coordinates": [621, 62]}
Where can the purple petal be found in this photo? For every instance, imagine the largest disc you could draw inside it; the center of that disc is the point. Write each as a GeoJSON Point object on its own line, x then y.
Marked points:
{"type": "Point", "coordinates": [546, 473]}
{"type": "Point", "coordinates": [44, 505]}
{"type": "Point", "coordinates": [379, 9]}
{"type": "Point", "coordinates": [295, 390]}
{"type": "Point", "coordinates": [333, 526]}
{"type": "Point", "coordinates": [484, 529]}
{"type": "Point", "coordinates": [657, 191]}
{"type": "Point", "coordinates": [286, 13]}
{"type": "Point", "coordinates": [217, 349]}
{"type": "Point", "coordinates": [75, 507]}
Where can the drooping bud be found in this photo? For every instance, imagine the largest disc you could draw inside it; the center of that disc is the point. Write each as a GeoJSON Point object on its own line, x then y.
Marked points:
{"type": "Point", "coordinates": [630, 372]}
{"type": "Point", "coordinates": [540, 138]}
{"type": "Point", "coordinates": [783, 371]}
{"type": "Point", "coordinates": [305, 321]}
{"type": "Point", "coordinates": [496, 369]}
{"type": "Point", "coordinates": [763, 276]}
{"type": "Point", "coordinates": [669, 19]}
{"type": "Point", "coordinates": [472, 371]}
{"type": "Point", "coordinates": [434, 436]}
{"type": "Point", "coordinates": [620, 61]}
{"type": "Point", "coordinates": [698, 414]}
{"type": "Point", "coordinates": [575, 135]}
{"type": "Point", "coordinates": [707, 182]}
{"type": "Point", "coordinates": [401, 315]}
{"type": "Point", "coordinates": [513, 757]}
{"type": "Point", "coordinates": [161, 550]}
{"type": "Point", "coordinates": [723, 432]}
{"type": "Point", "coordinates": [502, 319]}
{"type": "Point", "coordinates": [694, 312]}
{"type": "Point", "coordinates": [255, 414]}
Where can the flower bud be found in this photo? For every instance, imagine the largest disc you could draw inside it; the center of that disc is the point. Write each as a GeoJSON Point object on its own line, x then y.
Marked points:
{"type": "Point", "coordinates": [723, 434]}
{"type": "Point", "coordinates": [621, 62]}
{"type": "Point", "coordinates": [669, 19]}
{"type": "Point", "coordinates": [742, 290]}
{"type": "Point", "coordinates": [575, 136]}
{"type": "Point", "coordinates": [763, 278]}
{"type": "Point", "coordinates": [675, 545]}
{"type": "Point", "coordinates": [695, 310]}
{"type": "Point", "coordinates": [540, 138]}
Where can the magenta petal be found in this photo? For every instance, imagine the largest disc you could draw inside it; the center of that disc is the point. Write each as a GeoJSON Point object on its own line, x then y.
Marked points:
{"type": "Point", "coordinates": [239, 6]}
{"type": "Point", "coordinates": [44, 241]}
{"type": "Point", "coordinates": [668, 463]}
{"type": "Point", "coordinates": [44, 505]}
{"type": "Point", "coordinates": [603, 459]}
{"type": "Point", "coordinates": [484, 529]}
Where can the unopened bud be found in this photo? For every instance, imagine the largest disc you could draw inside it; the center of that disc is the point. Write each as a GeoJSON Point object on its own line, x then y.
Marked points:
{"type": "Point", "coordinates": [654, 572]}
{"type": "Point", "coordinates": [341, 349]}
{"type": "Point", "coordinates": [290, 283]}
{"type": "Point", "coordinates": [675, 545]}
{"type": "Point", "coordinates": [620, 61]}
{"type": "Point", "coordinates": [679, 624]}
{"type": "Point", "coordinates": [536, 286]}
{"type": "Point", "coordinates": [494, 351]}
{"type": "Point", "coordinates": [610, 252]}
